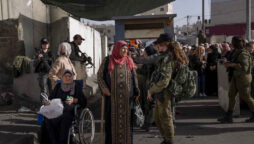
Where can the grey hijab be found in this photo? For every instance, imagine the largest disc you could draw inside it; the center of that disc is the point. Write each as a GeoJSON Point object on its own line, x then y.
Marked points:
{"type": "Point", "coordinates": [70, 86]}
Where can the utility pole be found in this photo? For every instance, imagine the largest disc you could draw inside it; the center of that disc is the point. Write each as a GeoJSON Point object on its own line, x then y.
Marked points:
{"type": "Point", "coordinates": [248, 20]}
{"type": "Point", "coordinates": [188, 23]}
{"type": "Point", "coordinates": [203, 16]}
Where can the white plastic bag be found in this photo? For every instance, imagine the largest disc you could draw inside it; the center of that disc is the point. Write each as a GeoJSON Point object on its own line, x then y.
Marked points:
{"type": "Point", "coordinates": [54, 110]}
{"type": "Point", "coordinates": [140, 119]}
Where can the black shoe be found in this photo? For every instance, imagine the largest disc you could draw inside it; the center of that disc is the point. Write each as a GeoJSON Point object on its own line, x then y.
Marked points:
{"type": "Point", "coordinates": [146, 127]}
{"type": "Point", "coordinates": [165, 142]}
{"type": "Point", "coordinates": [225, 119]}
{"type": "Point", "coordinates": [251, 119]}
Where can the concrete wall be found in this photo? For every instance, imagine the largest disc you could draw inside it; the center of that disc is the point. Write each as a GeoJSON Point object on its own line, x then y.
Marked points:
{"type": "Point", "coordinates": [229, 11]}
{"type": "Point", "coordinates": [62, 30]}
{"type": "Point", "coordinates": [108, 30]}
{"type": "Point", "coordinates": [10, 46]}
{"type": "Point", "coordinates": [165, 9]}
{"type": "Point", "coordinates": [22, 25]}
{"type": "Point", "coordinates": [223, 87]}
{"type": "Point", "coordinates": [59, 32]}
{"type": "Point", "coordinates": [33, 16]}
{"type": "Point", "coordinates": [91, 45]}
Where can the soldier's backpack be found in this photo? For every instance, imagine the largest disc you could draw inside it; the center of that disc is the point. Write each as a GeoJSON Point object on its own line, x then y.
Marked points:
{"type": "Point", "coordinates": [183, 82]}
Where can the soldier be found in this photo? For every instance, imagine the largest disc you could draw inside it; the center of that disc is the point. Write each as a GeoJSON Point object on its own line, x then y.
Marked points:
{"type": "Point", "coordinates": [144, 75]}
{"type": "Point", "coordinates": [43, 62]}
{"type": "Point", "coordinates": [150, 63]}
{"type": "Point", "coordinates": [240, 81]}
{"type": "Point", "coordinates": [79, 58]}
{"type": "Point", "coordinates": [161, 78]}
{"type": "Point", "coordinates": [250, 48]}
{"type": "Point", "coordinates": [77, 41]}
{"type": "Point", "coordinates": [155, 58]}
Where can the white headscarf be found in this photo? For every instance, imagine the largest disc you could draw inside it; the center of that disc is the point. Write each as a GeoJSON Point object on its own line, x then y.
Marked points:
{"type": "Point", "coordinates": [64, 49]}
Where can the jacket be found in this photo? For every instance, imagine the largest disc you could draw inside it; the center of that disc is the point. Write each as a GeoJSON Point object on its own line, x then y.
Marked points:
{"type": "Point", "coordinates": [62, 63]}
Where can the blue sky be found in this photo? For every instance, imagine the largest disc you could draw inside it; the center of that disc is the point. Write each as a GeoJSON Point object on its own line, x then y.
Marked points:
{"type": "Point", "coordinates": [190, 7]}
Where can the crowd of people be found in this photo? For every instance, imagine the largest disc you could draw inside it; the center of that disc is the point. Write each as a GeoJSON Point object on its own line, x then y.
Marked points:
{"type": "Point", "coordinates": [134, 73]}
{"type": "Point", "coordinates": [57, 80]}
{"type": "Point", "coordinates": [165, 56]}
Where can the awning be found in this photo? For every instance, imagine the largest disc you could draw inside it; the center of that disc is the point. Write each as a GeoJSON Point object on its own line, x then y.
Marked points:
{"type": "Point", "coordinates": [106, 9]}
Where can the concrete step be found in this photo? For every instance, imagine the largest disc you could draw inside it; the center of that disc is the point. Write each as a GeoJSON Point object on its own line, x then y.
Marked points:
{"type": "Point", "coordinates": [18, 128]}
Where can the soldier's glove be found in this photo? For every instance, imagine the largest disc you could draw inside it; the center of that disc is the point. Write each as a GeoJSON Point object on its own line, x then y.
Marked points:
{"type": "Point", "coordinates": [89, 59]}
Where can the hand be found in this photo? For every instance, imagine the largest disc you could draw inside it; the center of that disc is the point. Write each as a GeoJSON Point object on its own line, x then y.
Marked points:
{"type": "Point", "coordinates": [224, 60]}
{"type": "Point", "coordinates": [47, 102]}
{"type": "Point", "coordinates": [212, 68]}
{"type": "Point", "coordinates": [106, 92]}
{"type": "Point", "coordinates": [70, 101]}
{"type": "Point", "coordinates": [227, 65]}
{"type": "Point", "coordinates": [40, 56]}
{"type": "Point", "coordinates": [149, 97]}
{"type": "Point", "coordinates": [89, 59]}
{"type": "Point", "coordinates": [137, 98]}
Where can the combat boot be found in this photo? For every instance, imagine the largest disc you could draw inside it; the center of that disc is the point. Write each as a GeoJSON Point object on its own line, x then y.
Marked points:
{"type": "Point", "coordinates": [165, 142]}
{"type": "Point", "coordinates": [251, 119]}
{"type": "Point", "coordinates": [146, 127]}
{"type": "Point", "coordinates": [227, 118]}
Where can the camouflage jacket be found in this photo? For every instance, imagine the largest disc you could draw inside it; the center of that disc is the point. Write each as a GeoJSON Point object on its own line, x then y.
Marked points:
{"type": "Point", "coordinates": [162, 75]}
{"type": "Point", "coordinates": [242, 63]}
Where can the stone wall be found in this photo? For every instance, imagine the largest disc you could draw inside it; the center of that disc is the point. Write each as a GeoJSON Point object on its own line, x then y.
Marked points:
{"type": "Point", "coordinates": [10, 46]}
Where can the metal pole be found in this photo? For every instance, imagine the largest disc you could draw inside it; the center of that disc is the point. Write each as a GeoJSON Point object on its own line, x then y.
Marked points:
{"type": "Point", "coordinates": [188, 24]}
{"type": "Point", "coordinates": [248, 20]}
{"type": "Point", "coordinates": [203, 15]}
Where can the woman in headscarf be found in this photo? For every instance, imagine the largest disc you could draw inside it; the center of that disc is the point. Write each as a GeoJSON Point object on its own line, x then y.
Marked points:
{"type": "Point", "coordinates": [118, 83]}
{"type": "Point", "coordinates": [226, 50]}
{"type": "Point", "coordinates": [71, 94]}
{"type": "Point", "coordinates": [211, 71]}
{"type": "Point", "coordinates": [62, 63]}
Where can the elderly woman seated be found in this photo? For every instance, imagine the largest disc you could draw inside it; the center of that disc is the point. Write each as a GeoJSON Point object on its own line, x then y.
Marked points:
{"type": "Point", "coordinates": [70, 92]}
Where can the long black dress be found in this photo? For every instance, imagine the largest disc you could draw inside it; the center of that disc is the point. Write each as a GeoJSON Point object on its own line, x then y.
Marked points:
{"type": "Point", "coordinates": [211, 75]}
{"type": "Point", "coordinates": [58, 128]}
{"type": "Point", "coordinates": [123, 87]}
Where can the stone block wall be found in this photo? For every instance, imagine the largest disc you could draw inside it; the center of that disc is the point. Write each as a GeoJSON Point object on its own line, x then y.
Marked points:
{"type": "Point", "coordinates": [10, 47]}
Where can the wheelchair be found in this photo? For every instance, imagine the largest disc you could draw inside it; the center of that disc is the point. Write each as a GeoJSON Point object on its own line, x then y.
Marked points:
{"type": "Point", "coordinates": [82, 130]}
{"type": "Point", "coordinates": [83, 127]}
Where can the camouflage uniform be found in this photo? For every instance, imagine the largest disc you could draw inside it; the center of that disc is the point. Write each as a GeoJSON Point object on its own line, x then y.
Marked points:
{"type": "Point", "coordinates": [241, 80]}
{"type": "Point", "coordinates": [149, 65]}
{"type": "Point", "coordinates": [163, 113]}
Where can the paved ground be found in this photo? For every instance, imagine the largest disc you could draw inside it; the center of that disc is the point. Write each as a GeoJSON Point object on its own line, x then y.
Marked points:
{"type": "Point", "coordinates": [195, 125]}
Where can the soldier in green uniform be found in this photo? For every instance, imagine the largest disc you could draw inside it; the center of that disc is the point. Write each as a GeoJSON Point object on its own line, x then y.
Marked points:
{"type": "Point", "coordinates": [240, 67]}
{"type": "Point", "coordinates": [160, 80]}
{"type": "Point", "coordinates": [150, 63]}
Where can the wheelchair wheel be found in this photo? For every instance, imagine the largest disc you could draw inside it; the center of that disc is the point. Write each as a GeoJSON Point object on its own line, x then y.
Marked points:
{"type": "Point", "coordinates": [86, 127]}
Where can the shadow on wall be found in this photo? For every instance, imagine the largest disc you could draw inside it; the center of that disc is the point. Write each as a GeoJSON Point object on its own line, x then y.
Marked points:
{"type": "Point", "coordinates": [31, 31]}
{"type": "Point", "coordinates": [18, 37]}
{"type": "Point", "coordinates": [10, 47]}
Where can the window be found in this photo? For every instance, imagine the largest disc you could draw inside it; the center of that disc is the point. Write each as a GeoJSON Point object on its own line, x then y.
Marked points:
{"type": "Point", "coordinates": [161, 9]}
{"type": "Point", "coordinates": [109, 31]}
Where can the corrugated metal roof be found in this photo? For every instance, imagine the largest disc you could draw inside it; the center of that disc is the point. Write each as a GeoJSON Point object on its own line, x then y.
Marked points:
{"type": "Point", "coordinates": [106, 9]}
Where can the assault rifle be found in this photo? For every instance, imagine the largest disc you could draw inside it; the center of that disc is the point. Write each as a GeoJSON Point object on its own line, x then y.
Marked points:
{"type": "Point", "coordinates": [87, 59]}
